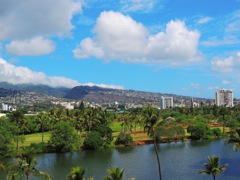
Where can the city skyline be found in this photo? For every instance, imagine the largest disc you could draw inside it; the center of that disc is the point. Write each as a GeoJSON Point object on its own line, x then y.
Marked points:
{"type": "Point", "coordinates": [179, 47]}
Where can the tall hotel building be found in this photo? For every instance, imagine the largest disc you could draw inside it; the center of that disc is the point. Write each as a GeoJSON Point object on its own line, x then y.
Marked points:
{"type": "Point", "coordinates": [224, 97]}
{"type": "Point", "coordinates": [166, 102]}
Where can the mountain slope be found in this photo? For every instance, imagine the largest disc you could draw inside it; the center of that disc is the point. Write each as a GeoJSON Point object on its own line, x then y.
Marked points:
{"type": "Point", "coordinates": [41, 89]}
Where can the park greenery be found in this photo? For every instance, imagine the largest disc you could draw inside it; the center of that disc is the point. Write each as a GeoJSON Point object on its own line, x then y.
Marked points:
{"type": "Point", "coordinates": [87, 128]}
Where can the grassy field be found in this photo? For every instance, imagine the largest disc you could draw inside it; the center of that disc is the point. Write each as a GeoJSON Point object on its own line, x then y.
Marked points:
{"type": "Point", "coordinates": [36, 138]}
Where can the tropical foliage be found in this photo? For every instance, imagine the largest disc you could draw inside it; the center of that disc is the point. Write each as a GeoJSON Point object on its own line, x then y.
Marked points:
{"type": "Point", "coordinates": [213, 167]}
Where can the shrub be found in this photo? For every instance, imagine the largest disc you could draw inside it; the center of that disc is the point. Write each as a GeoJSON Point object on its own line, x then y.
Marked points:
{"type": "Point", "coordinates": [93, 141]}
{"type": "Point", "coordinates": [124, 138]}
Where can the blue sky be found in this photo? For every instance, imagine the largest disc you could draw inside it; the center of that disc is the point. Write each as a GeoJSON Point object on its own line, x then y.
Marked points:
{"type": "Point", "coordinates": [183, 47]}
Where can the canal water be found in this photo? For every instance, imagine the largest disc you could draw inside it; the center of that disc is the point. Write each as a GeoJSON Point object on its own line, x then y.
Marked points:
{"type": "Point", "coordinates": [179, 161]}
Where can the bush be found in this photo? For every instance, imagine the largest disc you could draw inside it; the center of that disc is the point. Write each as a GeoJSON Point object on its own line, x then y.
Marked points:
{"type": "Point", "coordinates": [93, 141]}
{"type": "Point", "coordinates": [216, 132]}
{"type": "Point", "coordinates": [124, 138]}
{"type": "Point", "coordinates": [64, 137]}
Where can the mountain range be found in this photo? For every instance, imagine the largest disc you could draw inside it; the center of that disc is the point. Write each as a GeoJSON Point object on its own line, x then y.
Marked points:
{"type": "Point", "coordinates": [90, 93]}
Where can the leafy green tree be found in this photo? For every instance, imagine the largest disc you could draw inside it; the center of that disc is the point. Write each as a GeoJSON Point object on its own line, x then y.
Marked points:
{"type": "Point", "coordinates": [64, 137]}
{"type": "Point", "coordinates": [216, 132]}
{"type": "Point", "coordinates": [25, 166]}
{"type": "Point", "coordinates": [93, 141]}
{"type": "Point", "coordinates": [114, 174]}
{"type": "Point", "coordinates": [172, 132]}
{"type": "Point", "coordinates": [105, 133]}
{"type": "Point", "coordinates": [77, 173]}
{"type": "Point", "coordinates": [213, 167]}
{"type": "Point", "coordinates": [198, 131]}
{"type": "Point", "coordinates": [6, 135]}
{"type": "Point", "coordinates": [124, 138]}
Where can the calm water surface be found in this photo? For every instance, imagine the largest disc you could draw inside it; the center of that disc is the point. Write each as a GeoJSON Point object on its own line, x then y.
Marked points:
{"type": "Point", "coordinates": [179, 161]}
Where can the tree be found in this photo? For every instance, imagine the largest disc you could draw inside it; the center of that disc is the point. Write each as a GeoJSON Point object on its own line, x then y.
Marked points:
{"type": "Point", "coordinates": [223, 111]}
{"type": "Point", "coordinates": [235, 140]}
{"type": "Point", "coordinates": [151, 120]}
{"type": "Point", "coordinates": [77, 173]}
{"type": "Point", "coordinates": [64, 137]}
{"type": "Point", "coordinates": [124, 138]}
{"type": "Point", "coordinates": [90, 118]}
{"type": "Point", "coordinates": [212, 167]}
{"type": "Point", "coordinates": [93, 141]}
{"type": "Point", "coordinates": [25, 166]}
{"type": "Point", "coordinates": [42, 120]}
{"type": "Point", "coordinates": [198, 131]}
{"type": "Point", "coordinates": [17, 119]}
{"type": "Point", "coordinates": [216, 132]}
{"type": "Point", "coordinates": [105, 133]}
{"type": "Point", "coordinates": [6, 135]}
{"type": "Point", "coordinates": [114, 174]}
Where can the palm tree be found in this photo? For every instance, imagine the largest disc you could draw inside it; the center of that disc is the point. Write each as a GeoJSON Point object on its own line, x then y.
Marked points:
{"type": "Point", "coordinates": [235, 140]}
{"type": "Point", "coordinates": [76, 173]}
{"type": "Point", "coordinates": [90, 118]}
{"type": "Point", "coordinates": [26, 165]}
{"type": "Point", "coordinates": [42, 120]}
{"type": "Point", "coordinates": [18, 119]}
{"type": "Point", "coordinates": [151, 122]}
{"type": "Point", "coordinates": [212, 167]}
{"type": "Point", "coordinates": [114, 174]}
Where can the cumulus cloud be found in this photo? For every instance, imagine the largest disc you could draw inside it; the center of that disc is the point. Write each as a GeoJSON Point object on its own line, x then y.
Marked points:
{"type": "Point", "coordinates": [120, 37]}
{"type": "Point", "coordinates": [227, 65]}
{"type": "Point", "coordinates": [22, 75]}
{"type": "Point", "coordinates": [30, 18]}
{"type": "Point", "coordinates": [32, 47]}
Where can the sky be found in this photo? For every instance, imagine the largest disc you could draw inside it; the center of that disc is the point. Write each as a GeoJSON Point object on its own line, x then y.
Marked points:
{"type": "Point", "coordinates": [184, 47]}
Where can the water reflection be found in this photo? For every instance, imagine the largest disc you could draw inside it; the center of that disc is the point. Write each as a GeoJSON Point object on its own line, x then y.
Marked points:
{"type": "Point", "coordinates": [180, 160]}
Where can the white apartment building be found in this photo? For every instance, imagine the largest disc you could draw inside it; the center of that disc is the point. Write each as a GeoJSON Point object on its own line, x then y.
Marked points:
{"type": "Point", "coordinates": [166, 102]}
{"type": "Point", "coordinates": [224, 97]}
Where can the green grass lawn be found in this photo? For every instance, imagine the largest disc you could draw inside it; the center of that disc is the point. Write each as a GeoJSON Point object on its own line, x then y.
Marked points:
{"type": "Point", "coordinates": [36, 138]}
{"type": "Point", "coordinates": [116, 126]}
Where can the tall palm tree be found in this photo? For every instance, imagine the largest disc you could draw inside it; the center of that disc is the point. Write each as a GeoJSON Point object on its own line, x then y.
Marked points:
{"type": "Point", "coordinates": [77, 173]}
{"type": "Point", "coordinates": [25, 165]}
{"type": "Point", "coordinates": [42, 120]}
{"type": "Point", "coordinates": [151, 122]}
{"type": "Point", "coordinates": [90, 118]}
{"type": "Point", "coordinates": [17, 119]}
{"type": "Point", "coordinates": [212, 167]}
{"type": "Point", "coordinates": [114, 174]}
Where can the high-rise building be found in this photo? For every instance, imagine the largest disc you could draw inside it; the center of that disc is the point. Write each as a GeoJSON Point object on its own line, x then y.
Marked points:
{"type": "Point", "coordinates": [166, 102]}
{"type": "Point", "coordinates": [224, 97]}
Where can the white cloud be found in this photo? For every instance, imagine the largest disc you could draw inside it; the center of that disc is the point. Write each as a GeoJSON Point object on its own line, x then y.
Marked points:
{"type": "Point", "coordinates": [227, 65]}
{"type": "Point", "coordinates": [204, 20]}
{"type": "Point", "coordinates": [30, 18]}
{"type": "Point", "coordinates": [22, 75]}
{"type": "Point", "coordinates": [225, 82]}
{"type": "Point", "coordinates": [137, 5]}
{"type": "Point", "coordinates": [32, 47]}
{"type": "Point", "coordinates": [111, 86]}
{"type": "Point", "coordinates": [196, 86]}
{"type": "Point", "coordinates": [119, 37]}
